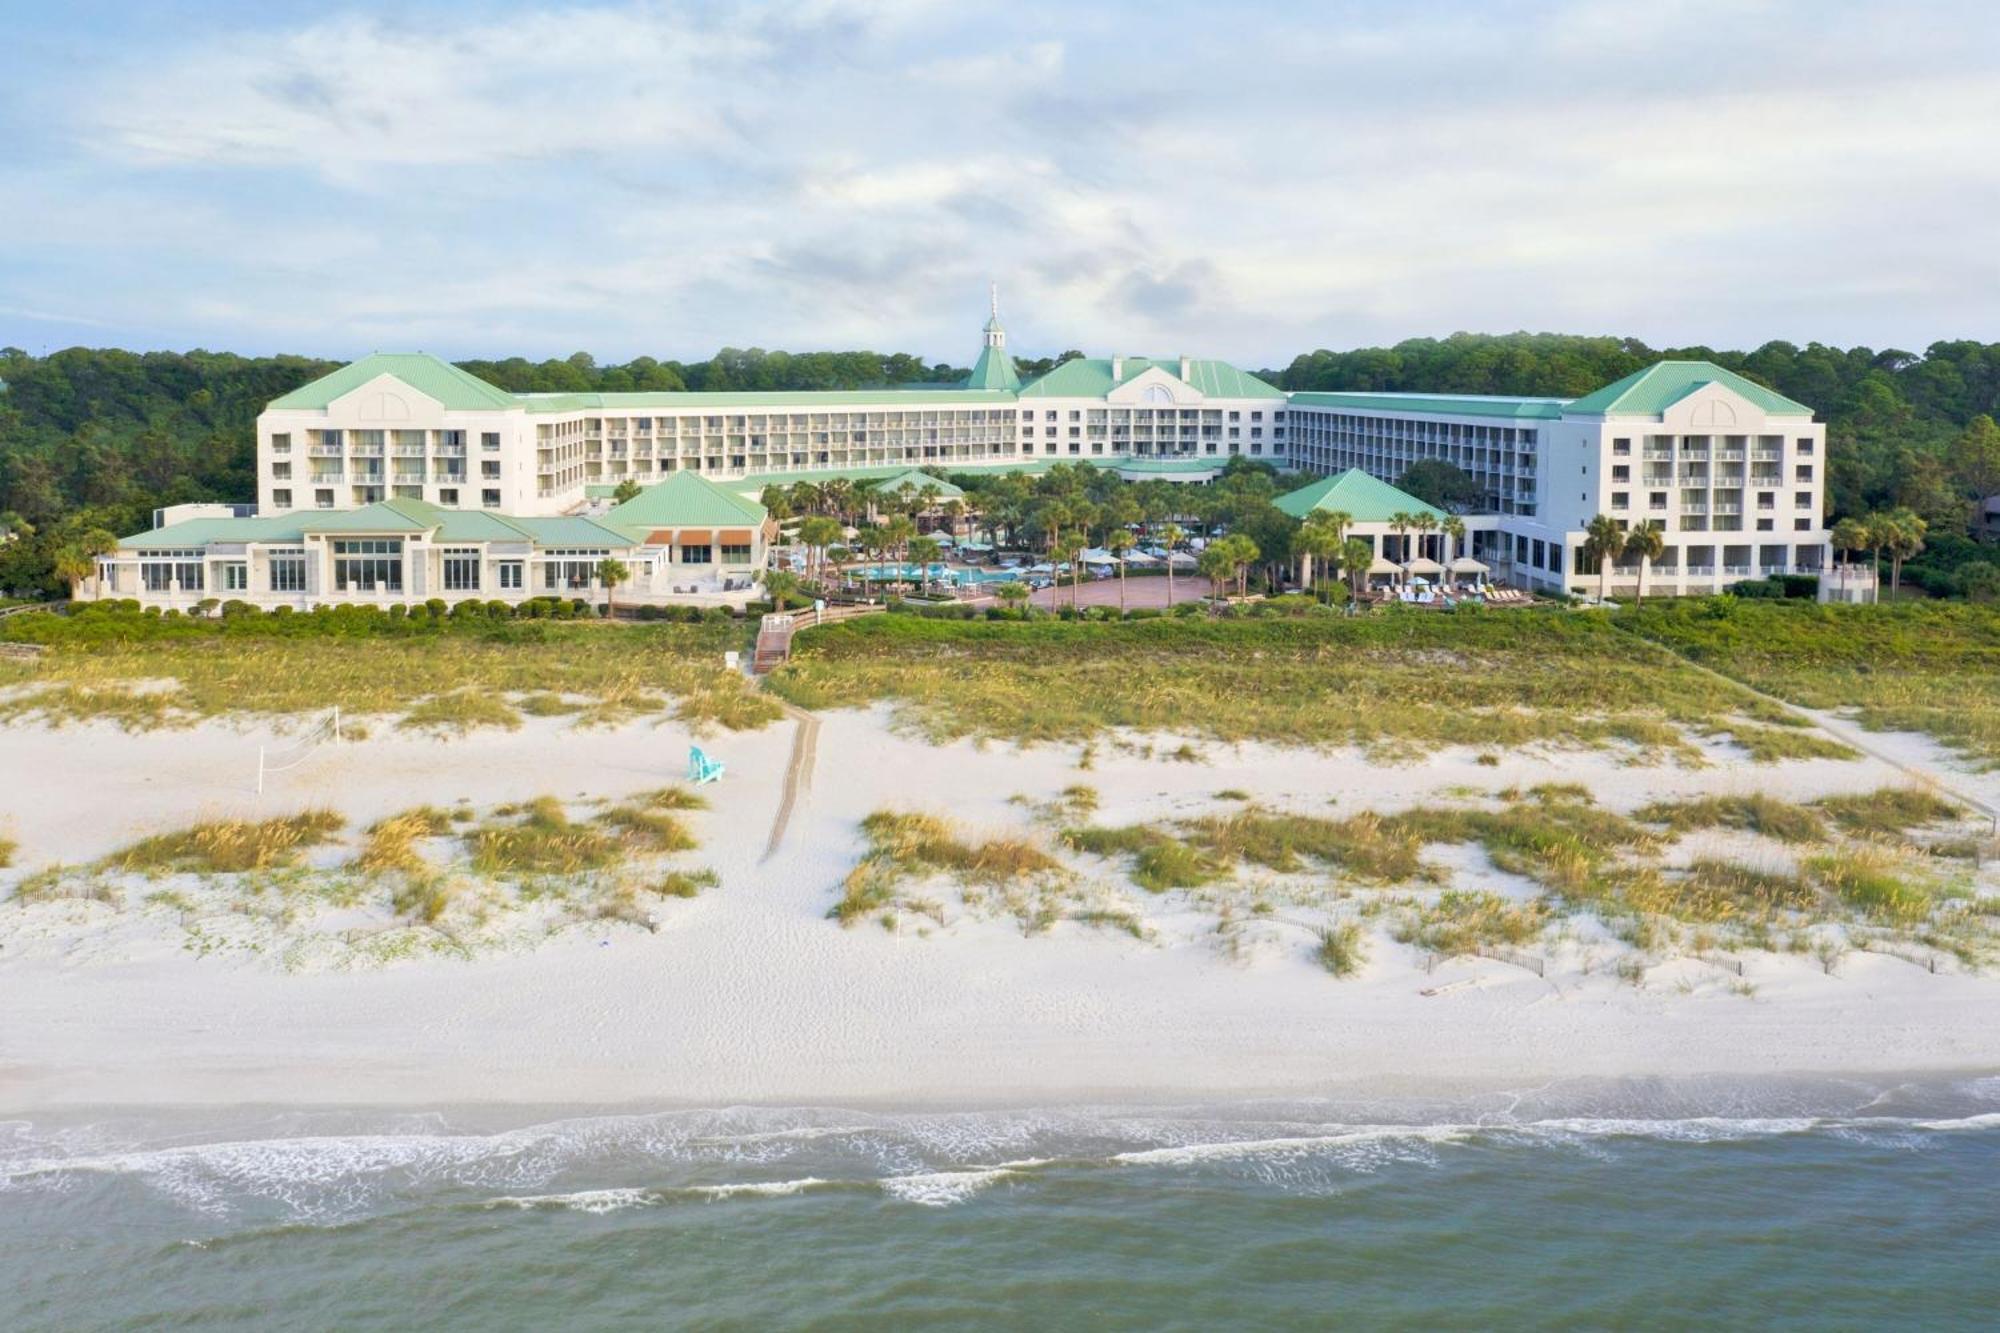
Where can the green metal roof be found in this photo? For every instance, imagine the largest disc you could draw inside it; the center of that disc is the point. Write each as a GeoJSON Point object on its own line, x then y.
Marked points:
{"type": "Point", "coordinates": [1090, 377]}
{"type": "Point", "coordinates": [431, 376]}
{"type": "Point", "coordinates": [915, 480]}
{"type": "Point", "coordinates": [568, 530]}
{"type": "Point", "coordinates": [382, 516]}
{"type": "Point", "coordinates": [801, 399]}
{"type": "Point", "coordinates": [687, 500]}
{"type": "Point", "coordinates": [994, 370]}
{"type": "Point", "coordinates": [1362, 496]}
{"type": "Point", "coordinates": [1441, 404]}
{"type": "Point", "coordinates": [201, 531]}
{"type": "Point", "coordinates": [1651, 391]}
{"type": "Point", "coordinates": [1168, 467]}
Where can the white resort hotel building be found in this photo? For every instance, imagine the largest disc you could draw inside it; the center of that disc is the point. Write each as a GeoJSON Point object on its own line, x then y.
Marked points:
{"type": "Point", "coordinates": [401, 477]}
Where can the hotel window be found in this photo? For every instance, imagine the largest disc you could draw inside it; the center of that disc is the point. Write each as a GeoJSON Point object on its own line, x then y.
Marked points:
{"type": "Point", "coordinates": [489, 469]}
{"type": "Point", "coordinates": [281, 471]}
{"type": "Point", "coordinates": [1622, 472]}
{"type": "Point", "coordinates": [1621, 499]}
{"type": "Point", "coordinates": [235, 576]}
{"type": "Point", "coordinates": [1801, 525]}
{"type": "Point", "coordinates": [510, 574]}
{"type": "Point", "coordinates": [461, 570]}
{"type": "Point", "coordinates": [159, 571]}
{"type": "Point", "coordinates": [697, 555]}
{"type": "Point", "coordinates": [1621, 448]}
{"type": "Point", "coordinates": [451, 438]}
{"type": "Point", "coordinates": [1766, 524]}
{"type": "Point", "coordinates": [288, 571]}
{"type": "Point", "coordinates": [1656, 499]}
{"type": "Point", "coordinates": [571, 568]}
{"type": "Point", "coordinates": [1805, 448]}
{"type": "Point", "coordinates": [733, 554]}
{"type": "Point", "coordinates": [1802, 500]}
{"type": "Point", "coordinates": [323, 499]}
{"type": "Point", "coordinates": [1766, 500]}
{"type": "Point", "coordinates": [1803, 472]}
{"type": "Point", "coordinates": [281, 444]}
{"type": "Point", "coordinates": [490, 499]}
{"type": "Point", "coordinates": [489, 440]}
{"type": "Point", "coordinates": [281, 499]}
{"type": "Point", "coordinates": [448, 496]}
{"type": "Point", "coordinates": [372, 564]}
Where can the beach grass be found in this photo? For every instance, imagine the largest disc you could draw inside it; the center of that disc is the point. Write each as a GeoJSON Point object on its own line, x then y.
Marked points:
{"type": "Point", "coordinates": [391, 846]}
{"type": "Point", "coordinates": [905, 845]}
{"type": "Point", "coordinates": [1464, 921]}
{"type": "Point", "coordinates": [1875, 883]}
{"type": "Point", "coordinates": [227, 846]}
{"type": "Point", "coordinates": [1395, 685]}
{"type": "Point", "coordinates": [1888, 811]}
{"type": "Point", "coordinates": [1752, 813]}
{"type": "Point", "coordinates": [540, 839]}
{"type": "Point", "coordinates": [1342, 949]}
{"type": "Point", "coordinates": [449, 680]}
{"type": "Point", "coordinates": [459, 712]}
{"type": "Point", "coordinates": [1930, 667]}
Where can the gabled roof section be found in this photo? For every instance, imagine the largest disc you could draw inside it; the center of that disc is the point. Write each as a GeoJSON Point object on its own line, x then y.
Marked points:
{"type": "Point", "coordinates": [993, 371]}
{"type": "Point", "coordinates": [575, 531]}
{"type": "Point", "coordinates": [1651, 391]}
{"type": "Point", "coordinates": [1090, 377]}
{"type": "Point", "coordinates": [686, 500]}
{"type": "Point", "coordinates": [916, 480]}
{"type": "Point", "coordinates": [382, 516]}
{"type": "Point", "coordinates": [1442, 404]}
{"type": "Point", "coordinates": [1362, 496]}
{"type": "Point", "coordinates": [431, 376]}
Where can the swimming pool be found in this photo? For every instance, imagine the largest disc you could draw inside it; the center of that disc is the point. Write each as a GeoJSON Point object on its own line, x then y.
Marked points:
{"type": "Point", "coordinates": [938, 574]}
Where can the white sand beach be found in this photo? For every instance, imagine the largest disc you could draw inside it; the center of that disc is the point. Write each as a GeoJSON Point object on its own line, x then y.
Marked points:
{"type": "Point", "coordinates": [748, 993]}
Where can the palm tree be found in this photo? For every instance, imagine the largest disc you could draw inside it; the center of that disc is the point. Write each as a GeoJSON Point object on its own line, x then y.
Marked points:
{"type": "Point", "coordinates": [924, 550]}
{"type": "Point", "coordinates": [1452, 529]}
{"type": "Point", "coordinates": [1171, 537]}
{"type": "Point", "coordinates": [73, 566]}
{"type": "Point", "coordinates": [1905, 539]}
{"type": "Point", "coordinates": [611, 573]}
{"type": "Point", "coordinates": [779, 585]}
{"type": "Point", "coordinates": [1119, 542]}
{"type": "Point", "coordinates": [1876, 528]}
{"type": "Point", "coordinates": [1356, 555]}
{"type": "Point", "coordinates": [1647, 543]}
{"type": "Point", "coordinates": [1012, 593]}
{"type": "Point", "coordinates": [1425, 524]}
{"type": "Point", "coordinates": [1605, 540]}
{"type": "Point", "coordinates": [1217, 564]}
{"type": "Point", "coordinates": [777, 502]}
{"type": "Point", "coordinates": [1318, 538]}
{"type": "Point", "coordinates": [1243, 553]}
{"type": "Point", "coordinates": [1400, 523]}
{"type": "Point", "coordinates": [1849, 535]}
{"type": "Point", "coordinates": [818, 533]}
{"type": "Point", "coordinates": [897, 532]}
{"type": "Point", "coordinates": [1070, 548]}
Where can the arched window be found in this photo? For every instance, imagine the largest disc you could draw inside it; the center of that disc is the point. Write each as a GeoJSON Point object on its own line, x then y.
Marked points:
{"type": "Point", "coordinates": [1157, 393]}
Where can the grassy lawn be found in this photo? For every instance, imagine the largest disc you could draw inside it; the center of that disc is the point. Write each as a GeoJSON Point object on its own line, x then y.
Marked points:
{"type": "Point", "coordinates": [449, 678]}
{"type": "Point", "coordinates": [1932, 667]}
{"type": "Point", "coordinates": [1398, 681]}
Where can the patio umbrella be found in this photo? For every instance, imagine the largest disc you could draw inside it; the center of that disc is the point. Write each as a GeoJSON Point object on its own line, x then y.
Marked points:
{"type": "Point", "coordinates": [1465, 564]}
{"type": "Point", "coordinates": [1423, 565]}
{"type": "Point", "coordinates": [1384, 565]}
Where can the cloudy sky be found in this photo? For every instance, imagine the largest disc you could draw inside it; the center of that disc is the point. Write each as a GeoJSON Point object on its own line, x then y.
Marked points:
{"type": "Point", "coordinates": [1235, 180]}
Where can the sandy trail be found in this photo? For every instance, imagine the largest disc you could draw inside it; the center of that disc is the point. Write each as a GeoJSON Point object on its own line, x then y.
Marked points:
{"type": "Point", "coordinates": [798, 773]}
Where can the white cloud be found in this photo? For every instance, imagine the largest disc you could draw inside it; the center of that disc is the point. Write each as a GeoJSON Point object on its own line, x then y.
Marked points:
{"type": "Point", "coordinates": [668, 177]}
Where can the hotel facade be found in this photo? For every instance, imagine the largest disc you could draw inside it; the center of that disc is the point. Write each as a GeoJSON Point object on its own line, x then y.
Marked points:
{"type": "Point", "coordinates": [438, 459]}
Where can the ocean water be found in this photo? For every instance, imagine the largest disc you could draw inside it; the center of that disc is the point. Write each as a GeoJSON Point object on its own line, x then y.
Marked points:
{"type": "Point", "coordinates": [1823, 1205]}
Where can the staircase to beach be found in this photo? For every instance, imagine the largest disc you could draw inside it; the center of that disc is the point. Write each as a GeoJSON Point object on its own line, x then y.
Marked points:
{"type": "Point", "coordinates": [775, 631]}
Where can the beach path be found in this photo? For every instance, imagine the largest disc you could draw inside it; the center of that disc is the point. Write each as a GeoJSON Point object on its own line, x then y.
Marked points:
{"type": "Point", "coordinates": [798, 772]}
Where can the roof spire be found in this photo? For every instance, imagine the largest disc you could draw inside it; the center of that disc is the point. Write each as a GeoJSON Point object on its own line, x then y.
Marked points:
{"type": "Point", "coordinates": [993, 298]}
{"type": "Point", "coordinates": [994, 369]}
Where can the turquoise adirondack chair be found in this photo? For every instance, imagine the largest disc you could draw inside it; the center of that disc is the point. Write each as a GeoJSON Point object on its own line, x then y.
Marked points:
{"type": "Point", "coordinates": [701, 768]}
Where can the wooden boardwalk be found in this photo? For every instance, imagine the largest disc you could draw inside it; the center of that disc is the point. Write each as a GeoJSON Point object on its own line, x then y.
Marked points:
{"type": "Point", "coordinates": [775, 631]}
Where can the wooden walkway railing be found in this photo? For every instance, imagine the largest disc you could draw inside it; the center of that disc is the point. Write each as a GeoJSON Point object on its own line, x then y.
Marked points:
{"type": "Point", "coordinates": [775, 631]}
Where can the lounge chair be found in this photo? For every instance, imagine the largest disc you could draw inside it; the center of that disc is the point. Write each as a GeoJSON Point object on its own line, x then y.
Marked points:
{"type": "Point", "coordinates": [701, 768]}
